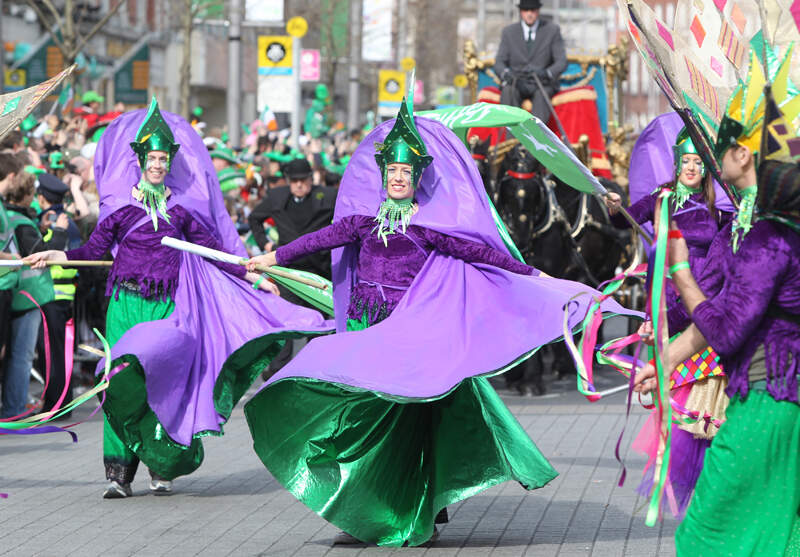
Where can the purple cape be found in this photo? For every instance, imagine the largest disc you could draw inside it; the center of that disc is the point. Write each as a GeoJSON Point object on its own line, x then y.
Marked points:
{"type": "Point", "coordinates": [215, 313]}
{"type": "Point", "coordinates": [653, 162]}
{"type": "Point", "coordinates": [456, 320]}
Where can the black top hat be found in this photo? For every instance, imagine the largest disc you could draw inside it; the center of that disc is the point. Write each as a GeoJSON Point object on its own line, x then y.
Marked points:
{"type": "Point", "coordinates": [529, 4]}
{"type": "Point", "coordinates": [297, 169]}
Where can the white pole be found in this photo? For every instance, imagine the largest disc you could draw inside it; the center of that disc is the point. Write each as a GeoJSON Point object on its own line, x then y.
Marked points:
{"type": "Point", "coordinates": [298, 100]}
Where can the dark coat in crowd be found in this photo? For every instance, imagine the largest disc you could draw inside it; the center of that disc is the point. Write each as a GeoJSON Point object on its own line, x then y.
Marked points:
{"type": "Point", "coordinates": [295, 218]}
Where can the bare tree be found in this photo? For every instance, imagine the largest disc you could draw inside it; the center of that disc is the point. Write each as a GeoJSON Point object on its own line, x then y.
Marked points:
{"type": "Point", "coordinates": [191, 13]}
{"type": "Point", "coordinates": [69, 22]}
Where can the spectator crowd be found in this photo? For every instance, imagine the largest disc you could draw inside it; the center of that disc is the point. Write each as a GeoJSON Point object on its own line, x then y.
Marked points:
{"type": "Point", "coordinates": [273, 192]}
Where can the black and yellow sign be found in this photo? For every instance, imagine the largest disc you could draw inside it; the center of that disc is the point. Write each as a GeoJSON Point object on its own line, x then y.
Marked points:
{"type": "Point", "coordinates": [274, 55]}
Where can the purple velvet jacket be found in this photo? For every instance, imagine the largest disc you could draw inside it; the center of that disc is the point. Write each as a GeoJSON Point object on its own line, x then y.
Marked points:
{"type": "Point", "coordinates": [699, 227]}
{"type": "Point", "coordinates": [141, 258]}
{"type": "Point", "coordinates": [385, 272]}
{"type": "Point", "coordinates": [741, 287]}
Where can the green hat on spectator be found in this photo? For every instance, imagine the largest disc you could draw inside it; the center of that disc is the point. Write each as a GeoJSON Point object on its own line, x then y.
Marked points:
{"type": "Point", "coordinates": [91, 97]}
{"type": "Point", "coordinates": [225, 153]}
{"type": "Point", "coordinates": [56, 160]}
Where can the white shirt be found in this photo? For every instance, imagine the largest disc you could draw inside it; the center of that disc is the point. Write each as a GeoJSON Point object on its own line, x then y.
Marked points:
{"type": "Point", "coordinates": [529, 29]}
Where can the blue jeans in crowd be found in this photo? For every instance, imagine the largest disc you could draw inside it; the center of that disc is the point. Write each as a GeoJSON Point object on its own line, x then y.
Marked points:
{"type": "Point", "coordinates": [19, 360]}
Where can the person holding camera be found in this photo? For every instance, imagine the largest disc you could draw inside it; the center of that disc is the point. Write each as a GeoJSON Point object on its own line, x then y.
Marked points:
{"type": "Point", "coordinates": [531, 50]}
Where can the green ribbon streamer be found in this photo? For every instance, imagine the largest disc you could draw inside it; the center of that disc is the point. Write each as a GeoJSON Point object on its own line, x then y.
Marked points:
{"type": "Point", "coordinates": [744, 218]}
{"type": "Point", "coordinates": [154, 200]}
{"type": "Point", "coordinates": [391, 214]}
{"type": "Point", "coordinates": [659, 322]}
{"type": "Point", "coordinates": [682, 193]}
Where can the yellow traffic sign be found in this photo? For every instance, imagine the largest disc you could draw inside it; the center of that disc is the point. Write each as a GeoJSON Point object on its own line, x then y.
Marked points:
{"type": "Point", "coordinates": [297, 27]}
{"type": "Point", "coordinates": [408, 63]}
{"type": "Point", "coordinates": [15, 78]}
{"type": "Point", "coordinates": [391, 86]}
{"type": "Point", "coordinates": [460, 81]}
{"type": "Point", "coordinates": [274, 55]}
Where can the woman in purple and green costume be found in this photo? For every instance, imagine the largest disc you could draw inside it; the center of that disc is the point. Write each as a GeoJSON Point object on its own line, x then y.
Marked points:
{"type": "Point", "coordinates": [747, 499]}
{"type": "Point", "coordinates": [695, 214]}
{"type": "Point", "coordinates": [382, 426]}
{"type": "Point", "coordinates": [188, 336]}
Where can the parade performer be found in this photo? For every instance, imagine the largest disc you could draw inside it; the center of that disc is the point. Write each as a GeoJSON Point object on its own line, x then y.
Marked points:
{"type": "Point", "coordinates": [380, 428]}
{"type": "Point", "coordinates": [747, 499]}
{"type": "Point", "coordinates": [188, 336]}
{"type": "Point", "coordinates": [695, 214]}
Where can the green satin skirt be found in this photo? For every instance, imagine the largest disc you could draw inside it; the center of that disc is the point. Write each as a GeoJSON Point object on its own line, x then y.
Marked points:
{"type": "Point", "coordinates": [747, 499]}
{"type": "Point", "coordinates": [135, 428]}
{"type": "Point", "coordinates": [381, 470]}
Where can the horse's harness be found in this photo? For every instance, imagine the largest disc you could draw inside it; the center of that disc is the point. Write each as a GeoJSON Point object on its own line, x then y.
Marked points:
{"type": "Point", "coordinates": [555, 214]}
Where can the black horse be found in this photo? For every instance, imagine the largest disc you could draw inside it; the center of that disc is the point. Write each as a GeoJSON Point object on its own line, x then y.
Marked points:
{"type": "Point", "coordinates": [560, 231]}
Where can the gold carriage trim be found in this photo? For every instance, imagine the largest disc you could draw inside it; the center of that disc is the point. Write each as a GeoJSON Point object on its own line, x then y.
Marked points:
{"type": "Point", "coordinates": [600, 163]}
{"type": "Point", "coordinates": [569, 96]}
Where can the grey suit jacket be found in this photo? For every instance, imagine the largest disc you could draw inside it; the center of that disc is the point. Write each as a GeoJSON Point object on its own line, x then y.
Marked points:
{"type": "Point", "coordinates": [548, 50]}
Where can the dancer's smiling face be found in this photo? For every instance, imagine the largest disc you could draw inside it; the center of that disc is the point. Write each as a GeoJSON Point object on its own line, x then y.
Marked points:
{"type": "Point", "coordinates": [398, 181]}
{"type": "Point", "coordinates": [691, 170]}
{"type": "Point", "coordinates": [156, 167]}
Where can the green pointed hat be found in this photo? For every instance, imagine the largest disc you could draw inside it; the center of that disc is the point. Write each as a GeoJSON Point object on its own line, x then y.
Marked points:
{"type": "Point", "coordinates": [403, 143]}
{"type": "Point", "coordinates": [684, 146]}
{"type": "Point", "coordinates": [154, 135]}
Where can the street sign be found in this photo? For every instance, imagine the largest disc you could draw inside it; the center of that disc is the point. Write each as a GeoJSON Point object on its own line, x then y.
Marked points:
{"type": "Point", "coordinates": [15, 79]}
{"type": "Point", "coordinates": [297, 27]}
{"type": "Point", "coordinates": [274, 55]}
{"type": "Point", "coordinates": [309, 65]}
{"type": "Point", "coordinates": [376, 30]}
{"type": "Point", "coordinates": [460, 81]}
{"type": "Point", "coordinates": [277, 92]}
{"type": "Point", "coordinates": [263, 10]}
{"type": "Point", "coordinates": [391, 88]}
{"type": "Point", "coordinates": [408, 63]}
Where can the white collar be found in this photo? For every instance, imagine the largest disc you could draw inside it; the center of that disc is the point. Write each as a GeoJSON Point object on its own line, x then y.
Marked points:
{"type": "Point", "coordinates": [525, 27]}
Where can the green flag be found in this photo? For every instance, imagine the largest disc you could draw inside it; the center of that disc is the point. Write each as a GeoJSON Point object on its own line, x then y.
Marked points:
{"type": "Point", "coordinates": [537, 138]}
{"type": "Point", "coordinates": [320, 299]}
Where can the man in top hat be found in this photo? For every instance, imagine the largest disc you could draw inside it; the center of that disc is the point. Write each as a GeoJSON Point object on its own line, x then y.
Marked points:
{"type": "Point", "coordinates": [532, 47]}
{"type": "Point", "coordinates": [297, 209]}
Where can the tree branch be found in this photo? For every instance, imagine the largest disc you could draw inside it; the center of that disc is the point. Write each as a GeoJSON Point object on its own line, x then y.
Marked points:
{"type": "Point", "coordinates": [53, 10]}
{"type": "Point", "coordinates": [49, 26]}
{"type": "Point", "coordinates": [99, 25]}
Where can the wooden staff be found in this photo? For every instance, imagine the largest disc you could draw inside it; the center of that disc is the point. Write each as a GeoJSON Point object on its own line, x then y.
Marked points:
{"type": "Point", "coordinates": [278, 273]}
{"type": "Point", "coordinates": [74, 263]}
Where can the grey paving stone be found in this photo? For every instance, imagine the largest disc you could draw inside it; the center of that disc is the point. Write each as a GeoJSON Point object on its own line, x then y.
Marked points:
{"type": "Point", "coordinates": [232, 506]}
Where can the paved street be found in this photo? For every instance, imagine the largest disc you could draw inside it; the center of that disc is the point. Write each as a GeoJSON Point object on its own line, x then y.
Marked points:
{"type": "Point", "coordinates": [232, 506]}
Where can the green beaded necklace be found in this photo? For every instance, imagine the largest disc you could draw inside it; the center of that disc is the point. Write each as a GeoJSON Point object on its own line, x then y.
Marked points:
{"type": "Point", "coordinates": [394, 214]}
